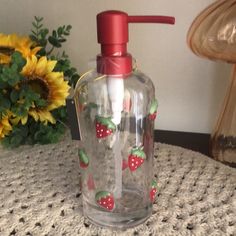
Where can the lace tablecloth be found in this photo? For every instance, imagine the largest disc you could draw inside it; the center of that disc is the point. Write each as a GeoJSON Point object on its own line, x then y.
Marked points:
{"type": "Point", "coordinates": [40, 194]}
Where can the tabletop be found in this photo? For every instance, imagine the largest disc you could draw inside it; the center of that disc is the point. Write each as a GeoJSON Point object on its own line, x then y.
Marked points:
{"type": "Point", "coordinates": [40, 194]}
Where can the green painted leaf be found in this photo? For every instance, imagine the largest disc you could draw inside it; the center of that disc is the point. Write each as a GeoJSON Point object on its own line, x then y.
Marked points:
{"type": "Point", "coordinates": [92, 105]}
{"type": "Point", "coordinates": [154, 184]}
{"type": "Point", "coordinates": [153, 107]}
{"type": "Point", "coordinates": [107, 122]}
{"type": "Point", "coordinates": [83, 157]}
{"type": "Point", "coordinates": [102, 194]}
{"type": "Point", "coordinates": [138, 152]}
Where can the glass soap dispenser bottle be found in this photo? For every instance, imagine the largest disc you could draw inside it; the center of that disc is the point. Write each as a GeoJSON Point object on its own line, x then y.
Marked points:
{"type": "Point", "coordinates": [116, 109]}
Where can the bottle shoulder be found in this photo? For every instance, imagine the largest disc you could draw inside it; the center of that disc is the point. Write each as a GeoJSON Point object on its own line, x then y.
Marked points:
{"type": "Point", "coordinates": [136, 78]}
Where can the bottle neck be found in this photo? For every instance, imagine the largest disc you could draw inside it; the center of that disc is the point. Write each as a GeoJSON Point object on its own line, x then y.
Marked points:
{"type": "Point", "coordinates": [114, 49]}
{"type": "Point", "coordinates": [114, 65]}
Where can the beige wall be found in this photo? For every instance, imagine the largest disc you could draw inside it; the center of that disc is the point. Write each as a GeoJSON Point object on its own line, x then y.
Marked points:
{"type": "Point", "coordinates": [189, 89]}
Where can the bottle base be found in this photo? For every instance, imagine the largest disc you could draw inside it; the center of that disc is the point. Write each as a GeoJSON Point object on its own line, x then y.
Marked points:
{"type": "Point", "coordinates": [121, 218]}
{"type": "Point", "coordinates": [118, 221]}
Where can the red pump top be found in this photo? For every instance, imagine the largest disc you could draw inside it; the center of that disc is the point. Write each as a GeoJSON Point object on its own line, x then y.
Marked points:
{"type": "Point", "coordinates": [113, 35]}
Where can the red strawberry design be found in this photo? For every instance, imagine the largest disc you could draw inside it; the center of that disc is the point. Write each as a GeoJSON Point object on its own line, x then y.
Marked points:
{"type": "Point", "coordinates": [153, 110]}
{"type": "Point", "coordinates": [136, 158]}
{"type": "Point", "coordinates": [153, 191]}
{"type": "Point", "coordinates": [90, 183]}
{"type": "Point", "coordinates": [83, 159]}
{"type": "Point", "coordinates": [105, 200]}
{"type": "Point", "coordinates": [152, 116]}
{"type": "Point", "coordinates": [124, 164]}
{"type": "Point", "coordinates": [104, 127]}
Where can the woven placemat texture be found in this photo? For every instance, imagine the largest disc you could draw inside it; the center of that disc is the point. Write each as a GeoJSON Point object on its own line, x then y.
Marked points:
{"type": "Point", "coordinates": [40, 194]}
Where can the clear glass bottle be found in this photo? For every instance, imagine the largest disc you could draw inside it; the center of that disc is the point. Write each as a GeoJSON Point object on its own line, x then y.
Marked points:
{"type": "Point", "coordinates": [117, 154]}
{"type": "Point", "coordinates": [116, 109]}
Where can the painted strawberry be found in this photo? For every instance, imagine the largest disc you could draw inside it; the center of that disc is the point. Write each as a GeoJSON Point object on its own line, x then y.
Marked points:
{"type": "Point", "coordinates": [136, 158]}
{"type": "Point", "coordinates": [90, 182]}
{"type": "Point", "coordinates": [83, 159]}
{"type": "Point", "coordinates": [153, 191]}
{"type": "Point", "coordinates": [124, 164]}
{"type": "Point", "coordinates": [153, 110]}
{"type": "Point", "coordinates": [104, 127]}
{"type": "Point", "coordinates": [105, 200]}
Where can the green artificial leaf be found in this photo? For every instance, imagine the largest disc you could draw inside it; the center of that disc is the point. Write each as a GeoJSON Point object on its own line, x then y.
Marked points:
{"type": "Point", "coordinates": [14, 95]}
{"type": "Point", "coordinates": [42, 52]}
{"type": "Point", "coordinates": [74, 79]}
{"type": "Point", "coordinates": [33, 37]}
{"type": "Point", "coordinates": [5, 103]}
{"type": "Point", "coordinates": [17, 137]}
{"type": "Point", "coordinates": [40, 103]}
{"type": "Point", "coordinates": [60, 114]}
{"type": "Point", "coordinates": [68, 27]}
{"type": "Point", "coordinates": [19, 110]}
{"type": "Point", "coordinates": [3, 84]}
{"type": "Point", "coordinates": [54, 41]}
{"type": "Point", "coordinates": [61, 40]}
{"type": "Point", "coordinates": [38, 19]}
{"type": "Point", "coordinates": [54, 33]}
{"type": "Point", "coordinates": [35, 25]}
{"type": "Point", "coordinates": [10, 74]}
{"type": "Point", "coordinates": [48, 133]}
{"type": "Point", "coordinates": [43, 33]}
{"type": "Point", "coordinates": [17, 61]}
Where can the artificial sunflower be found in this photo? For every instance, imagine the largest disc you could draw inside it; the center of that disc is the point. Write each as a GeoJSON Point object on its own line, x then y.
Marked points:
{"type": "Point", "coordinates": [5, 126]}
{"type": "Point", "coordinates": [12, 42]}
{"type": "Point", "coordinates": [50, 85]}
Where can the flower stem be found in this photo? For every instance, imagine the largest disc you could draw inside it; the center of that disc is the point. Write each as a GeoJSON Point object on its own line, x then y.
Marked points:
{"type": "Point", "coordinates": [48, 53]}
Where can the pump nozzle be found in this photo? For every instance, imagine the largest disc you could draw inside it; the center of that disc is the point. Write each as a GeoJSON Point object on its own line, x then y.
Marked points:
{"type": "Point", "coordinates": [152, 19]}
{"type": "Point", "coordinates": [112, 33]}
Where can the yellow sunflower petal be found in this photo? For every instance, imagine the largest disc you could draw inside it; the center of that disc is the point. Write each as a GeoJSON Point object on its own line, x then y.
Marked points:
{"type": "Point", "coordinates": [40, 69]}
{"type": "Point", "coordinates": [5, 126]}
{"type": "Point", "coordinates": [35, 50]}
{"type": "Point", "coordinates": [34, 114]}
{"type": "Point", "coordinates": [15, 120]}
{"type": "Point", "coordinates": [22, 44]}
{"type": "Point", "coordinates": [4, 59]}
{"type": "Point", "coordinates": [50, 85]}
{"type": "Point", "coordinates": [46, 116]}
{"type": "Point", "coordinates": [24, 120]}
{"type": "Point", "coordinates": [50, 66]}
{"type": "Point", "coordinates": [30, 66]}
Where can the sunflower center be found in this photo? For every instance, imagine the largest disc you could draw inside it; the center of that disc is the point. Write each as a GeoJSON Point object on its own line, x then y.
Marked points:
{"type": "Point", "coordinates": [39, 86]}
{"type": "Point", "coordinates": [6, 50]}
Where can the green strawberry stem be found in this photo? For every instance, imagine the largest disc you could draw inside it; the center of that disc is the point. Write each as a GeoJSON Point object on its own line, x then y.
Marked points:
{"type": "Point", "coordinates": [82, 100]}
{"type": "Point", "coordinates": [92, 105]}
{"type": "Point", "coordinates": [154, 184]}
{"type": "Point", "coordinates": [101, 194]}
{"type": "Point", "coordinates": [138, 152]}
{"type": "Point", "coordinates": [153, 108]}
{"type": "Point", "coordinates": [106, 121]}
{"type": "Point", "coordinates": [83, 156]}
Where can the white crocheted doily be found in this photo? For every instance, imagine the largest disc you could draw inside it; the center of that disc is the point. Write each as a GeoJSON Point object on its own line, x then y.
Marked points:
{"type": "Point", "coordinates": [40, 195]}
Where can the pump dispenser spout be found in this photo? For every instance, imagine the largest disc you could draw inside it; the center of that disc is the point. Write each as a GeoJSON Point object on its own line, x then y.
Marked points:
{"type": "Point", "coordinates": [112, 33]}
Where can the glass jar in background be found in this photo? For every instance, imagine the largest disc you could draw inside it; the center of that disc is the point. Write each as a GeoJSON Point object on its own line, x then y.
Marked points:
{"type": "Point", "coordinates": [223, 139]}
{"type": "Point", "coordinates": [212, 35]}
